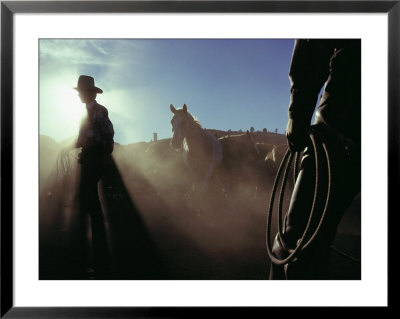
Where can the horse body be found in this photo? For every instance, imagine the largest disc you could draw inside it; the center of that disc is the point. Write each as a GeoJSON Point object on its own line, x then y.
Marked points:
{"type": "Point", "coordinates": [202, 152]}
{"type": "Point", "coordinates": [238, 150]}
{"type": "Point", "coordinates": [240, 154]}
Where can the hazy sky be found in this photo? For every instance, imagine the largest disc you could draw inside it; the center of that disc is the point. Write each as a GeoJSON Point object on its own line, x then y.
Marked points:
{"type": "Point", "coordinates": [226, 84]}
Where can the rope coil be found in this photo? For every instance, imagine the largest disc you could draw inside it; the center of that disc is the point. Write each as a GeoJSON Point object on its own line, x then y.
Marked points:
{"type": "Point", "coordinates": [308, 235]}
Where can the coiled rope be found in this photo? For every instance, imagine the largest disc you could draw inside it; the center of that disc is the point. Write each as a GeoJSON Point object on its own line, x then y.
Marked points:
{"type": "Point", "coordinates": [308, 235]}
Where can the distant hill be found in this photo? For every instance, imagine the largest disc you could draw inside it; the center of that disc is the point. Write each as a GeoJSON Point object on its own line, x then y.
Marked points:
{"type": "Point", "coordinates": [258, 137]}
{"type": "Point", "coordinates": [50, 148]}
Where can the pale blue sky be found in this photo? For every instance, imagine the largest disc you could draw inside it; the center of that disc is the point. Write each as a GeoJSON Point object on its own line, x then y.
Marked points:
{"type": "Point", "coordinates": [226, 84]}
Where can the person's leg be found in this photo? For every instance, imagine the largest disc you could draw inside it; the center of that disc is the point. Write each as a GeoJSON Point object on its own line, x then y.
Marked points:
{"type": "Point", "coordinates": [314, 262]}
{"type": "Point", "coordinates": [297, 215]}
{"type": "Point", "coordinates": [277, 272]}
{"type": "Point", "coordinates": [80, 242]}
{"type": "Point", "coordinates": [99, 237]}
{"type": "Point", "coordinates": [346, 180]}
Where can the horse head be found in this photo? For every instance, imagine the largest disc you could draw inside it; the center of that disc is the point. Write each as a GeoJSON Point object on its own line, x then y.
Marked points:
{"type": "Point", "coordinates": [180, 123]}
{"type": "Point", "coordinates": [202, 151]}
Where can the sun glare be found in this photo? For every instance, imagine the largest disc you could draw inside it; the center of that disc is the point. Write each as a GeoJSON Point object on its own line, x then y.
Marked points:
{"type": "Point", "coordinates": [69, 104]}
{"type": "Point", "coordinates": [60, 107]}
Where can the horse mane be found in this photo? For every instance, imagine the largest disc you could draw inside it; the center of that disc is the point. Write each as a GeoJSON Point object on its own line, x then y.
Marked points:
{"type": "Point", "coordinates": [193, 119]}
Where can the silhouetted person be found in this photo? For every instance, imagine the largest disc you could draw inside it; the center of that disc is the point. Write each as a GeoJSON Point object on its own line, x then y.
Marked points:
{"type": "Point", "coordinates": [96, 142]}
{"type": "Point", "coordinates": [338, 117]}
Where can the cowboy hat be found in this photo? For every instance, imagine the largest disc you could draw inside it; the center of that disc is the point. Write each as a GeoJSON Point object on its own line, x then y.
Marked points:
{"type": "Point", "coordinates": [86, 83]}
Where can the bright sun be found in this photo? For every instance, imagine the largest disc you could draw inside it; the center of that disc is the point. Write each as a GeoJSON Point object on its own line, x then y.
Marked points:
{"type": "Point", "coordinates": [69, 104]}
{"type": "Point", "coordinates": [61, 108]}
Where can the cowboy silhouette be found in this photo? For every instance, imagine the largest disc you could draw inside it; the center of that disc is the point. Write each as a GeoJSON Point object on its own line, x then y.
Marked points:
{"type": "Point", "coordinates": [96, 142]}
{"type": "Point", "coordinates": [337, 63]}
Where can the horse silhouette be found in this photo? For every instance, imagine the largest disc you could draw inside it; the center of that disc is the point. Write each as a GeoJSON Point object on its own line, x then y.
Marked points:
{"type": "Point", "coordinates": [240, 153]}
{"type": "Point", "coordinates": [202, 151]}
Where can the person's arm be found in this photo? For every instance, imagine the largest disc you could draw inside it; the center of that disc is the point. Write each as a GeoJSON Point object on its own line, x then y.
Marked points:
{"type": "Point", "coordinates": [309, 69]}
{"type": "Point", "coordinates": [104, 131]}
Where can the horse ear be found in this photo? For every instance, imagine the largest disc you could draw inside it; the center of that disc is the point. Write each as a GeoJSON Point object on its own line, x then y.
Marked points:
{"type": "Point", "coordinates": [173, 109]}
{"type": "Point", "coordinates": [184, 108]}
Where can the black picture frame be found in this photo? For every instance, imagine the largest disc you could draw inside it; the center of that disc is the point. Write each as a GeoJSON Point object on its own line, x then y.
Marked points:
{"type": "Point", "coordinates": [9, 8]}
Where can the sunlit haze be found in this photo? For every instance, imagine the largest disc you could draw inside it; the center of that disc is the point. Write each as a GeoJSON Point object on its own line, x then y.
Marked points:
{"type": "Point", "coordinates": [226, 84]}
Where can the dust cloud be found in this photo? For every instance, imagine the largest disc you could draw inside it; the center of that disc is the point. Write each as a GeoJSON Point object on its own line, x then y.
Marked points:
{"type": "Point", "coordinates": [160, 225]}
